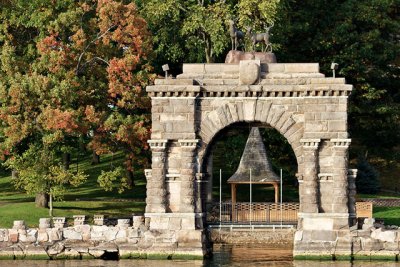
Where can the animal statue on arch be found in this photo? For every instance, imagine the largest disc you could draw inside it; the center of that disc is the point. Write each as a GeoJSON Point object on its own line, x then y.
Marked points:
{"type": "Point", "coordinates": [260, 38]}
{"type": "Point", "coordinates": [236, 35]}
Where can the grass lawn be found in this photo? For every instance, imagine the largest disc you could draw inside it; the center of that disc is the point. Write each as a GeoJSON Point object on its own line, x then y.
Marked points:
{"type": "Point", "coordinates": [391, 215]}
{"type": "Point", "coordinates": [87, 199]}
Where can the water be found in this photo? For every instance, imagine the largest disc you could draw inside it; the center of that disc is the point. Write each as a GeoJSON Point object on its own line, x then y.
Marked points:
{"type": "Point", "coordinates": [224, 256]}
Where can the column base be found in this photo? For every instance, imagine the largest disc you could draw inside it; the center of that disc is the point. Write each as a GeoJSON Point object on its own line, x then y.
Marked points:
{"type": "Point", "coordinates": [323, 236]}
{"type": "Point", "coordinates": [181, 232]}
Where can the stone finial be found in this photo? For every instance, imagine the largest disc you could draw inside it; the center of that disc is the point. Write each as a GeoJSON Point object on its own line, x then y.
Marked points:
{"type": "Point", "coordinates": [59, 222]}
{"type": "Point", "coordinates": [98, 219]}
{"type": "Point", "coordinates": [79, 219]}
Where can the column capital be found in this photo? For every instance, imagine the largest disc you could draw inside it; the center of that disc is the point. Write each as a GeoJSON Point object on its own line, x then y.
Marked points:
{"type": "Point", "coordinates": [310, 143]}
{"type": "Point", "coordinates": [148, 173]}
{"type": "Point", "coordinates": [158, 144]}
{"type": "Point", "coordinates": [188, 143]}
{"type": "Point", "coordinates": [340, 143]}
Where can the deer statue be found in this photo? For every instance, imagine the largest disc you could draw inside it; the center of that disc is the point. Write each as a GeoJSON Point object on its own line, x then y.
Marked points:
{"type": "Point", "coordinates": [260, 37]}
{"type": "Point", "coordinates": [235, 34]}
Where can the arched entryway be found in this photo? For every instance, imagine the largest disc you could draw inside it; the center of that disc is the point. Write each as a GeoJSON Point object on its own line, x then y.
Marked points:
{"type": "Point", "coordinates": [304, 106]}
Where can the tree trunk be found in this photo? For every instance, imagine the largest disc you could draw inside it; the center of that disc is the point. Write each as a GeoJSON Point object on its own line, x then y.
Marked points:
{"type": "Point", "coordinates": [66, 160]}
{"type": "Point", "coordinates": [14, 174]}
{"type": "Point", "coordinates": [95, 158]}
{"type": "Point", "coordinates": [129, 173]}
{"type": "Point", "coordinates": [208, 50]}
{"type": "Point", "coordinates": [42, 200]}
{"type": "Point", "coordinates": [50, 205]}
{"type": "Point", "coordinates": [130, 178]}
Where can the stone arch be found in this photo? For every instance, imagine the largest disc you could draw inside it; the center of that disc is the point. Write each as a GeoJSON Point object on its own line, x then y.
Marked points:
{"type": "Point", "coordinates": [287, 123]}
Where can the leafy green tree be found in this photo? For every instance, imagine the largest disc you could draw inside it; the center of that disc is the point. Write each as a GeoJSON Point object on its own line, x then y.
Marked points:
{"type": "Point", "coordinates": [363, 38]}
{"type": "Point", "coordinates": [197, 30]}
{"type": "Point", "coordinates": [41, 171]}
{"type": "Point", "coordinates": [73, 71]}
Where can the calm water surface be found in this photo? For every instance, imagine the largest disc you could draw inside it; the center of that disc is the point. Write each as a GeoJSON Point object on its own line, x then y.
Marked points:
{"type": "Point", "coordinates": [223, 256]}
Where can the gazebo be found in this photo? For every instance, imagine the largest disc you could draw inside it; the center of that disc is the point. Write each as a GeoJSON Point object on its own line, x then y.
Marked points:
{"type": "Point", "coordinates": [254, 158]}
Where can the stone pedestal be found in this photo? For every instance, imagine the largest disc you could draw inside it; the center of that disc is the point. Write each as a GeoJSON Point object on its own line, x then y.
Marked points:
{"type": "Point", "coordinates": [235, 56]}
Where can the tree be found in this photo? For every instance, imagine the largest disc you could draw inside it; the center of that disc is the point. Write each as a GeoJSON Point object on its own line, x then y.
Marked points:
{"type": "Point", "coordinates": [74, 71]}
{"type": "Point", "coordinates": [194, 31]}
{"type": "Point", "coordinates": [41, 171]}
{"type": "Point", "coordinates": [363, 38]}
{"type": "Point", "coordinates": [367, 180]}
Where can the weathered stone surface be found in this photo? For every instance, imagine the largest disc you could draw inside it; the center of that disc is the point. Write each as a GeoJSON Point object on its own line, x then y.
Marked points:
{"type": "Point", "coordinates": [55, 249]}
{"type": "Point", "coordinates": [249, 71]}
{"type": "Point", "coordinates": [55, 234]}
{"type": "Point", "coordinates": [70, 233]}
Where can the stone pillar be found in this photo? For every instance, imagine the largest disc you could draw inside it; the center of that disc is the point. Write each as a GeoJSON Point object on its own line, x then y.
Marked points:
{"type": "Point", "coordinates": [156, 192]}
{"type": "Point", "coordinates": [351, 178]}
{"type": "Point", "coordinates": [210, 178]}
{"type": "Point", "coordinates": [309, 185]}
{"type": "Point", "coordinates": [340, 180]}
{"type": "Point", "coordinates": [188, 165]}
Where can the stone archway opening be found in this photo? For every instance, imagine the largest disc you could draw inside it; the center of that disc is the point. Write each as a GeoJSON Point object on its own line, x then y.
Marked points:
{"type": "Point", "coordinates": [223, 155]}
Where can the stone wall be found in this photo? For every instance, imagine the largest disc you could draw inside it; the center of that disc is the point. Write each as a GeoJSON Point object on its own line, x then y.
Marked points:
{"type": "Point", "coordinates": [83, 241]}
{"type": "Point", "coordinates": [373, 241]}
{"type": "Point", "coordinates": [267, 237]}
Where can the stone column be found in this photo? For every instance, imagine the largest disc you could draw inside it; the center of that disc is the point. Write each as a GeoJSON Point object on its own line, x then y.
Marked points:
{"type": "Point", "coordinates": [188, 166]}
{"type": "Point", "coordinates": [351, 178]}
{"type": "Point", "coordinates": [340, 192]}
{"type": "Point", "coordinates": [309, 187]}
{"type": "Point", "coordinates": [156, 192]}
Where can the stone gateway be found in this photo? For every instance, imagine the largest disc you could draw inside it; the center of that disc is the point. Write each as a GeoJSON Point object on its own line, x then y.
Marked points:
{"type": "Point", "coordinates": [307, 108]}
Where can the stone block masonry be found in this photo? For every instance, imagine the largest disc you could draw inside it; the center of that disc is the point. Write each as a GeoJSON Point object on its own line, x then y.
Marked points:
{"type": "Point", "coordinates": [83, 241]}
{"type": "Point", "coordinates": [307, 108]}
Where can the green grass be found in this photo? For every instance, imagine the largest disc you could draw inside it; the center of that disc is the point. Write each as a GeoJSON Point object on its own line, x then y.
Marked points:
{"type": "Point", "coordinates": [391, 215]}
{"type": "Point", "coordinates": [87, 199]}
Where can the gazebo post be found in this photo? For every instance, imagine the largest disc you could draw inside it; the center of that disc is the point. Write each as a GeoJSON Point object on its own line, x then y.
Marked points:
{"type": "Point", "coordinates": [233, 194]}
{"type": "Point", "coordinates": [276, 192]}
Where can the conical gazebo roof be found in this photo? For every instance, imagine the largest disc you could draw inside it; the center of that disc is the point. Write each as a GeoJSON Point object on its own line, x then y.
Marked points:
{"type": "Point", "coordinates": [255, 158]}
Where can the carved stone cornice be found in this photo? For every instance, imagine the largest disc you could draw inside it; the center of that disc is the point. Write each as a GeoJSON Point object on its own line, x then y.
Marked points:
{"type": "Point", "coordinates": [310, 143]}
{"type": "Point", "coordinates": [188, 143]}
{"type": "Point", "coordinates": [148, 173]}
{"type": "Point", "coordinates": [340, 143]}
{"type": "Point", "coordinates": [157, 144]}
{"type": "Point", "coordinates": [325, 177]}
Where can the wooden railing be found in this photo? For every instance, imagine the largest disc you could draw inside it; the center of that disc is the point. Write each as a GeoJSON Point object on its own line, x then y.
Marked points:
{"type": "Point", "coordinates": [243, 212]}
{"type": "Point", "coordinates": [266, 213]}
